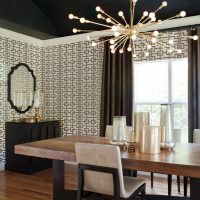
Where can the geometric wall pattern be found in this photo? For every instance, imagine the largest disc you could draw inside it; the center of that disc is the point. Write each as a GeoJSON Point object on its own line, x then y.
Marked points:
{"type": "Point", "coordinates": [13, 52]}
{"type": "Point", "coordinates": [159, 53]}
{"type": "Point", "coordinates": [72, 86]}
{"type": "Point", "coordinates": [69, 78]}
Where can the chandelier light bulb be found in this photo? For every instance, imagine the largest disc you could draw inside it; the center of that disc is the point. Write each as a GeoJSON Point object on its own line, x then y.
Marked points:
{"type": "Point", "coordinates": [121, 51]}
{"type": "Point", "coordinates": [152, 15]}
{"type": "Point", "coordinates": [114, 28]}
{"type": "Point", "coordinates": [82, 20]}
{"type": "Point", "coordinates": [171, 41]}
{"type": "Point", "coordinates": [120, 13]}
{"type": "Point", "coordinates": [146, 54]}
{"type": "Point", "coordinates": [71, 16]}
{"type": "Point", "coordinates": [112, 51]}
{"type": "Point", "coordinates": [112, 46]}
{"type": "Point", "coordinates": [98, 9]}
{"type": "Point", "coordinates": [179, 51]}
{"type": "Point", "coordinates": [195, 37]}
{"type": "Point", "coordinates": [155, 33]}
{"type": "Point", "coordinates": [153, 19]}
{"type": "Point", "coordinates": [170, 50]}
{"type": "Point", "coordinates": [116, 34]}
{"type": "Point", "coordinates": [134, 37]}
{"type": "Point", "coordinates": [145, 13]}
{"type": "Point", "coordinates": [99, 16]}
{"type": "Point", "coordinates": [74, 30]}
{"type": "Point", "coordinates": [149, 46]}
{"type": "Point", "coordinates": [129, 48]}
{"type": "Point", "coordinates": [134, 55]}
{"type": "Point", "coordinates": [153, 40]}
{"type": "Point", "coordinates": [164, 4]}
{"type": "Point", "coordinates": [94, 44]}
{"type": "Point", "coordinates": [108, 20]}
{"type": "Point", "coordinates": [112, 41]}
{"type": "Point", "coordinates": [88, 38]}
{"type": "Point", "coordinates": [182, 13]}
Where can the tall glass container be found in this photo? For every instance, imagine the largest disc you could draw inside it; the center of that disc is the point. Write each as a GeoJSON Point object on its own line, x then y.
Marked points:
{"type": "Point", "coordinates": [167, 141]}
{"type": "Point", "coordinates": [119, 135]}
{"type": "Point", "coordinates": [140, 119]}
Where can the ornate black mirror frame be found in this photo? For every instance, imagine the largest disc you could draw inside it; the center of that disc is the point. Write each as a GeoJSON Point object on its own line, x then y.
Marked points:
{"type": "Point", "coordinates": [9, 87]}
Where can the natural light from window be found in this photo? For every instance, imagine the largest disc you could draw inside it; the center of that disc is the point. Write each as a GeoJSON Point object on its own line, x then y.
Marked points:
{"type": "Point", "coordinates": [163, 82]}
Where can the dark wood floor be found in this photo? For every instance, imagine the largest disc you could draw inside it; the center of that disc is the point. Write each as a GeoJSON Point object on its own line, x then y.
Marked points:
{"type": "Point", "coordinates": [38, 186]}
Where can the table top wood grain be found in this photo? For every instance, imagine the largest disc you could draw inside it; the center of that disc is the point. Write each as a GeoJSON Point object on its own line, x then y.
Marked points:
{"type": "Point", "coordinates": [183, 160]}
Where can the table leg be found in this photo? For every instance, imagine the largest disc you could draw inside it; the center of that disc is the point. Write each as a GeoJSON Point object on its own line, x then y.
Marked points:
{"type": "Point", "coordinates": [194, 188]}
{"type": "Point", "coordinates": [59, 192]}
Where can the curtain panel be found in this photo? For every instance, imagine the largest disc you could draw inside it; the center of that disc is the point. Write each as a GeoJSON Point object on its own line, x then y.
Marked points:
{"type": "Point", "coordinates": [117, 87]}
{"type": "Point", "coordinates": [194, 83]}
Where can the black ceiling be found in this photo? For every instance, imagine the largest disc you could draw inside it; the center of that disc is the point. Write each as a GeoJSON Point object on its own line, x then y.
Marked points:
{"type": "Point", "coordinates": [49, 18]}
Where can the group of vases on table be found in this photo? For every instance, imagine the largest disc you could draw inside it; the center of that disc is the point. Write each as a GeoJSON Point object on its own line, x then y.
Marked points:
{"type": "Point", "coordinates": [150, 139]}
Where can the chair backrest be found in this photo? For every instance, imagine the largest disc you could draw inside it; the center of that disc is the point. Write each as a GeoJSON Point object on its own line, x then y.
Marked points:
{"type": "Point", "coordinates": [196, 136]}
{"type": "Point", "coordinates": [99, 155]}
{"type": "Point", "coordinates": [109, 130]}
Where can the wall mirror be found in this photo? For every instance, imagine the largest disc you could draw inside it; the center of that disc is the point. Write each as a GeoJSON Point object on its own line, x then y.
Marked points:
{"type": "Point", "coordinates": [21, 87]}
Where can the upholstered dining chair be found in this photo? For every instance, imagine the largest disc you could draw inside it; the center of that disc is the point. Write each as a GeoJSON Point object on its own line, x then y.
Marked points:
{"type": "Point", "coordinates": [108, 134]}
{"type": "Point", "coordinates": [109, 129]}
{"type": "Point", "coordinates": [100, 171]}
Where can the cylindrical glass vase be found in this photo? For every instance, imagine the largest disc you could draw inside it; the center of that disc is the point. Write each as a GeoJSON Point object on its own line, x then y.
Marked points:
{"type": "Point", "coordinates": [167, 141]}
{"type": "Point", "coordinates": [119, 135]}
{"type": "Point", "coordinates": [140, 119]}
{"type": "Point", "coordinates": [150, 140]}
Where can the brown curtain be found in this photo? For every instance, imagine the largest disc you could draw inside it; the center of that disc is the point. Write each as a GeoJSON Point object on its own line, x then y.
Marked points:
{"type": "Point", "coordinates": [194, 83]}
{"type": "Point", "coordinates": [117, 87]}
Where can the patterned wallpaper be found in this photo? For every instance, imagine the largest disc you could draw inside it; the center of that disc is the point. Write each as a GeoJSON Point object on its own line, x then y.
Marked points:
{"type": "Point", "coordinates": [69, 77]}
{"type": "Point", "coordinates": [159, 53]}
{"type": "Point", "coordinates": [72, 86]}
{"type": "Point", "coordinates": [11, 53]}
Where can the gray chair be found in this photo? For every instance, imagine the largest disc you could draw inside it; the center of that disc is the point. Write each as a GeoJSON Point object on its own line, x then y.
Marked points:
{"type": "Point", "coordinates": [100, 171]}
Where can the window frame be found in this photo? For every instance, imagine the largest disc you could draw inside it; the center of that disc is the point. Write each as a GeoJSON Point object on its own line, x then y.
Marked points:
{"type": "Point", "coordinates": [170, 88]}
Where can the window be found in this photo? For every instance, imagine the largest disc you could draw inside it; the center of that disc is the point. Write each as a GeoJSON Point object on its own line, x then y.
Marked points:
{"type": "Point", "coordinates": [163, 82]}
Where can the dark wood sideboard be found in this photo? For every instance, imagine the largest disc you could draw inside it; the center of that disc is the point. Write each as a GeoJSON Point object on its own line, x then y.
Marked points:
{"type": "Point", "coordinates": [21, 132]}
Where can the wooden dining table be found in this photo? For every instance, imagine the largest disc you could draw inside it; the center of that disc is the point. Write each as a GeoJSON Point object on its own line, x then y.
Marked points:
{"type": "Point", "coordinates": [184, 160]}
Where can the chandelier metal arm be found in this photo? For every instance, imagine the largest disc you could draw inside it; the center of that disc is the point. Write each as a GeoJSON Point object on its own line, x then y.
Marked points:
{"type": "Point", "coordinates": [133, 33]}
{"type": "Point", "coordinates": [120, 43]}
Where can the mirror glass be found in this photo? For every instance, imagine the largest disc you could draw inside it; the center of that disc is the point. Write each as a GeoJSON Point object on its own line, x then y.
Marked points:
{"type": "Point", "coordinates": [21, 87]}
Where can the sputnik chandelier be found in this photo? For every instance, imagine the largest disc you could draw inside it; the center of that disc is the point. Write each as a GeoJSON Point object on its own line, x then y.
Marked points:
{"type": "Point", "coordinates": [130, 34]}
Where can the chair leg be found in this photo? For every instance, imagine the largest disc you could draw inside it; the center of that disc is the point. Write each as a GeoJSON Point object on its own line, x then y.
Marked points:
{"type": "Point", "coordinates": [151, 179]}
{"type": "Point", "coordinates": [169, 184]}
{"type": "Point", "coordinates": [143, 194]}
{"type": "Point", "coordinates": [80, 184]}
{"type": "Point", "coordinates": [132, 173]}
{"type": "Point", "coordinates": [178, 183]}
{"type": "Point", "coordinates": [185, 185]}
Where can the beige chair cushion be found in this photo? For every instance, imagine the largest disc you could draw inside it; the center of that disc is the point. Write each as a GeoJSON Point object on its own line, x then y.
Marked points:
{"type": "Point", "coordinates": [196, 136]}
{"type": "Point", "coordinates": [131, 184]}
{"type": "Point", "coordinates": [106, 156]}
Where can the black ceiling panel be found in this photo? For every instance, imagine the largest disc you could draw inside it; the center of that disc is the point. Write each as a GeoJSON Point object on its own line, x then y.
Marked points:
{"type": "Point", "coordinates": [51, 16]}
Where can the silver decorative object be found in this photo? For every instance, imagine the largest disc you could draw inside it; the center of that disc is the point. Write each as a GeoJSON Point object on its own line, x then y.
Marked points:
{"type": "Point", "coordinates": [140, 119]}
{"type": "Point", "coordinates": [150, 140]}
{"type": "Point", "coordinates": [167, 141]}
{"type": "Point", "coordinates": [119, 135]}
